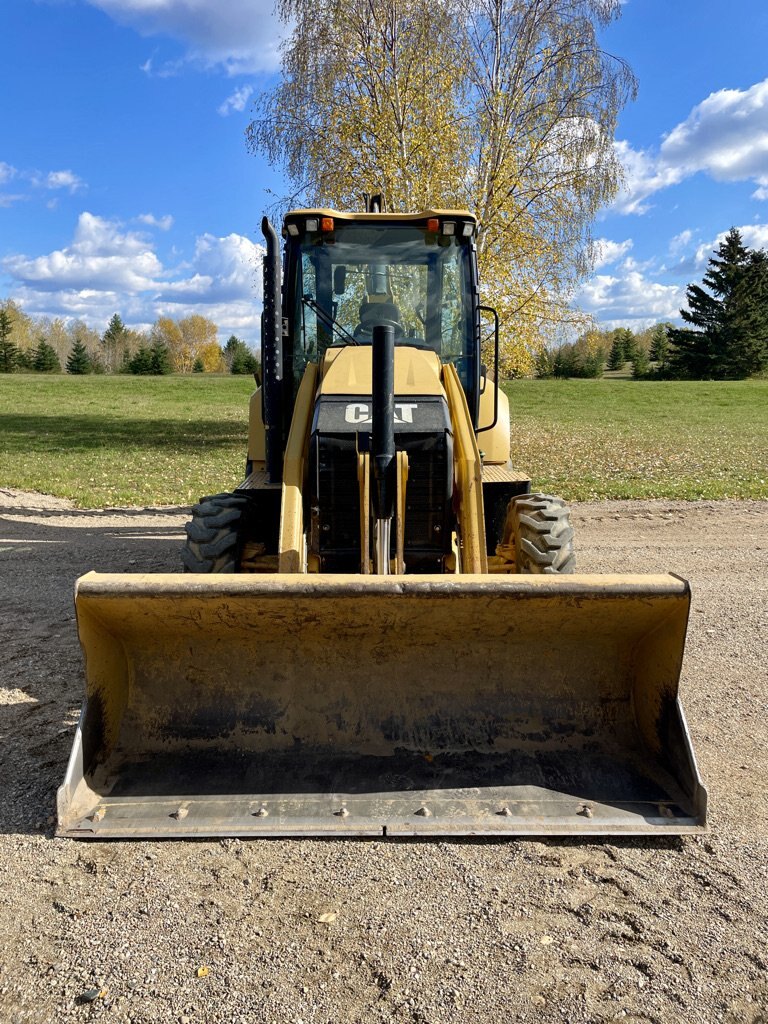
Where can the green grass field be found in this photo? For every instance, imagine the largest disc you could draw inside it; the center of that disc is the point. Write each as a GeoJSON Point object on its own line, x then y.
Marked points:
{"type": "Point", "coordinates": [123, 440]}
{"type": "Point", "coordinates": [587, 439]}
{"type": "Point", "coordinates": [111, 441]}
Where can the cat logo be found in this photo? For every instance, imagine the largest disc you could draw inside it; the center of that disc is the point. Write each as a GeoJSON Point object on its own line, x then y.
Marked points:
{"type": "Point", "coordinates": [359, 413]}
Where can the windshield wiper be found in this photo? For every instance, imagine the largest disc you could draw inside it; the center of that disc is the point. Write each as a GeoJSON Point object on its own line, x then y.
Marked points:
{"type": "Point", "coordinates": [329, 321]}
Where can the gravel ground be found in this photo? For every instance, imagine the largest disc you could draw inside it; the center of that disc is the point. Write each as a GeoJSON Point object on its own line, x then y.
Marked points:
{"type": "Point", "coordinates": [310, 931]}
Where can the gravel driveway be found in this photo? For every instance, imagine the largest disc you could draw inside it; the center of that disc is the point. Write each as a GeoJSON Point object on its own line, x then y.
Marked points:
{"type": "Point", "coordinates": [374, 930]}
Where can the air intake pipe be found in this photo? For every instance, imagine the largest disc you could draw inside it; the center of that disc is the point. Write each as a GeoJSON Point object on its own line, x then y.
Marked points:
{"type": "Point", "coordinates": [383, 454]}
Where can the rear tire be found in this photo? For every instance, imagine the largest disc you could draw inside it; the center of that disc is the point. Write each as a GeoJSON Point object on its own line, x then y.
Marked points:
{"type": "Point", "coordinates": [538, 526]}
{"type": "Point", "coordinates": [215, 534]}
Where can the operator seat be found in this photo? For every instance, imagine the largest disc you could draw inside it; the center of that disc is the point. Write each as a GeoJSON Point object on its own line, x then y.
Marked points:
{"type": "Point", "coordinates": [373, 313]}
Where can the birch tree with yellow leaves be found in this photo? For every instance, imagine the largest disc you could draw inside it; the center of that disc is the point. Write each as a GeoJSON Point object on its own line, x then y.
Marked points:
{"type": "Point", "coordinates": [507, 108]}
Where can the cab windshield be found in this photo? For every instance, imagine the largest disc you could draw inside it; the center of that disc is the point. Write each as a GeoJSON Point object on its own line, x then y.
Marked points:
{"type": "Point", "coordinates": [390, 274]}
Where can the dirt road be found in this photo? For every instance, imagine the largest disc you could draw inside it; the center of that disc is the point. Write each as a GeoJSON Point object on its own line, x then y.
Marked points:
{"type": "Point", "coordinates": [462, 931]}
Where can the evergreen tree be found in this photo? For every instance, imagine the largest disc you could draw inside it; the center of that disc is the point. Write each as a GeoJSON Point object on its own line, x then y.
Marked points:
{"type": "Point", "coordinates": [198, 367]}
{"type": "Point", "coordinates": [545, 364]}
{"type": "Point", "coordinates": [230, 350]}
{"type": "Point", "coordinates": [630, 344]}
{"type": "Point", "coordinates": [79, 361]}
{"type": "Point", "coordinates": [640, 365]}
{"type": "Point", "coordinates": [141, 362]}
{"type": "Point", "coordinates": [9, 353]}
{"type": "Point", "coordinates": [160, 358]}
{"type": "Point", "coordinates": [245, 362]}
{"type": "Point", "coordinates": [748, 350]}
{"type": "Point", "coordinates": [44, 358]}
{"type": "Point", "coordinates": [618, 355]}
{"type": "Point", "coordinates": [660, 344]}
{"type": "Point", "coordinates": [239, 358]}
{"type": "Point", "coordinates": [728, 314]}
{"type": "Point", "coordinates": [114, 343]}
{"type": "Point", "coordinates": [564, 363]}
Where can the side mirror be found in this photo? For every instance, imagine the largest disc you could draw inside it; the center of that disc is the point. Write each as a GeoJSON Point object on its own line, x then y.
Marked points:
{"type": "Point", "coordinates": [484, 369]}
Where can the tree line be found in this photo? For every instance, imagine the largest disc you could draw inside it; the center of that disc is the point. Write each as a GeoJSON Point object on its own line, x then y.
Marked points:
{"type": "Point", "coordinates": [725, 337]}
{"type": "Point", "coordinates": [188, 345]}
{"type": "Point", "coordinates": [645, 353]}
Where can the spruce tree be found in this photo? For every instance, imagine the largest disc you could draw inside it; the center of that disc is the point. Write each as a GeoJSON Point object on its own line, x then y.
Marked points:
{"type": "Point", "coordinates": [728, 336]}
{"type": "Point", "coordinates": [114, 343]}
{"type": "Point", "coordinates": [545, 364]}
{"type": "Point", "coordinates": [640, 366]}
{"type": "Point", "coordinates": [618, 355]}
{"type": "Point", "coordinates": [79, 361]}
{"type": "Point", "coordinates": [9, 353]}
{"type": "Point", "coordinates": [660, 344]}
{"type": "Point", "coordinates": [748, 351]}
{"type": "Point", "coordinates": [239, 357]}
{"type": "Point", "coordinates": [141, 362]}
{"type": "Point", "coordinates": [630, 344]}
{"type": "Point", "coordinates": [244, 362]}
{"type": "Point", "coordinates": [44, 358]}
{"type": "Point", "coordinates": [160, 358]}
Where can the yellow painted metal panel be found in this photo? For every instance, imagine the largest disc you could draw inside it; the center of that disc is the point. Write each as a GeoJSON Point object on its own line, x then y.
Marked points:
{"type": "Point", "coordinates": [494, 443]}
{"type": "Point", "coordinates": [294, 464]}
{"type": "Point", "coordinates": [469, 476]}
{"type": "Point", "coordinates": [348, 371]}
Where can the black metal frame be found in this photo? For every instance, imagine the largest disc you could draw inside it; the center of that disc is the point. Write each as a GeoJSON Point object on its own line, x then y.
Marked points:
{"type": "Point", "coordinates": [490, 309]}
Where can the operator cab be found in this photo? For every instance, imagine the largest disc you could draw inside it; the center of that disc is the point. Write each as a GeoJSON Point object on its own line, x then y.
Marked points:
{"type": "Point", "coordinates": [344, 274]}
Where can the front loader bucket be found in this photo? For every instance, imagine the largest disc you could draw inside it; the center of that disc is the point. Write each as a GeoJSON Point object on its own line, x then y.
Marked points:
{"type": "Point", "coordinates": [276, 705]}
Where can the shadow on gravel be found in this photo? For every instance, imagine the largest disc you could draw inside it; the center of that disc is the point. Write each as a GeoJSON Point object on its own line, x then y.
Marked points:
{"type": "Point", "coordinates": [78, 513]}
{"type": "Point", "coordinates": [41, 670]}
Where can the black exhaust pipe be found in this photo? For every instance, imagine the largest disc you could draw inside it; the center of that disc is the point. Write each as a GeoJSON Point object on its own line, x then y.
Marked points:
{"type": "Point", "coordinates": [383, 453]}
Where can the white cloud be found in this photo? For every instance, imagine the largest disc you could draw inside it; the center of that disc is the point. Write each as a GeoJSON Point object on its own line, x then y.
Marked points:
{"type": "Point", "coordinates": [164, 223]}
{"type": "Point", "coordinates": [9, 198]}
{"type": "Point", "coordinates": [241, 35]}
{"type": "Point", "coordinates": [629, 298]}
{"type": "Point", "coordinates": [61, 179]}
{"type": "Point", "coordinates": [100, 257]}
{"type": "Point", "coordinates": [607, 252]}
{"type": "Point", "coordinates": [680, 242]}
{"type": "Point", "coordinates": [53, 181]}
{"type": "Point", "coordinates": [6, 172]}
{"type": "Point", "coordinates": [223, 270]}
{"type": "Point", "coordinates": [644, 174]}
{"type": "Point", "coordinates": [236, 101]}
{"type": "Point", "coordinates": [106, 268]}
{"type": "Point", "coordinates": [724, 136]}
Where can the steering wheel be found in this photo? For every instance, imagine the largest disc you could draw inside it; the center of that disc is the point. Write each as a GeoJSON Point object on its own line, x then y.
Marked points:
{"type": "Point", "coordinates": [366, 328]}
{"type": "Point", "coordinates": [383, 321]}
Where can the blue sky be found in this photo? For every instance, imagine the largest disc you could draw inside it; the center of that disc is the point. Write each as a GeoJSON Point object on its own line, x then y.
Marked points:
{"type": "Point", "coordinates": [125, 185]}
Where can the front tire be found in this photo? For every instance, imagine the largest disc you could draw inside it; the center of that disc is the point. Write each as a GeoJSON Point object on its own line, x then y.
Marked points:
{"type": "Point", "coordinates": [215, 534]}
{"type": "Point", "coordinates": [538, 529]}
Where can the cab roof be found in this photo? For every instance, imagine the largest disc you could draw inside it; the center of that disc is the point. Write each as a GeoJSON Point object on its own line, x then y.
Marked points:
{"type": "Point", "coordinates": [413, 218]}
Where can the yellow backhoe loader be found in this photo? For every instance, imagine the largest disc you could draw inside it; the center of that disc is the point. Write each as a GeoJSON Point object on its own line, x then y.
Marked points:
{"type": "Point", "coordinates": [380, 631]}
